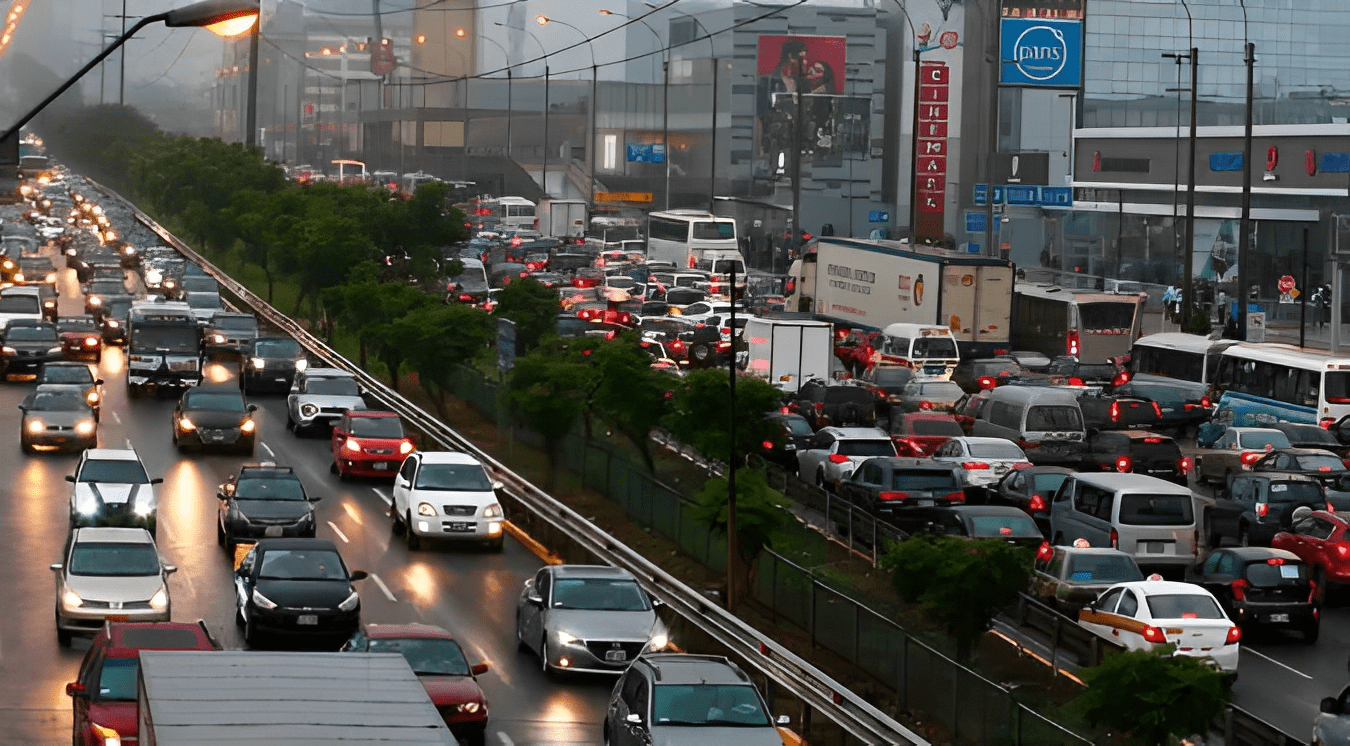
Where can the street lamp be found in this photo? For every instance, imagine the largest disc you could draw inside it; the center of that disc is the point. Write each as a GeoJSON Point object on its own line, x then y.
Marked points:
{"type": "Point", "coordinates": [544, 20]}
{"type": "Point", "coordinates": [543, 178]}
{"type": "Point", "coordinates": [1245, 225]}
{"type": "Point", "coordinates": [461, 33]}
{"type": "Point", "coordinates": [665, 96]}
{"type": "Point", "coordinates": [221, 17]}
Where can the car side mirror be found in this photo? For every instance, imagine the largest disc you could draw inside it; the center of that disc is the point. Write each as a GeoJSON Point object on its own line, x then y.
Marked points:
{"type": "Point", "coordinates": [157, 480]}
{"type": "Point", "coordinates": [70, 478]}
{"type": "Point", "coordinates": [98, 381]}
{"type": "Point", "coordinates": [315, 499]}
{"type": "Point", "coordinates": [23, 408]}
{"type": "Point", "coordinates": [360, 575]}
{"type": "Point", "coordinates": [497, 484]}
{"type": "Point", "coordinates": [253, 407]}
{"type": "Point", "coordinates": [1328, 705]}
{"type": "Point", "coordinates": [170, 569]}
{"type": "Point", "coordinates": [633, 718]}
{"type": "Point", "coordinates": [783, 720]}
{"type": "Point", "coordinates": [57, 567]}
{"type": "Point", "coordinates": [534, 598]}
{"type": "Point", "coordinates": [76, 689]}
{"type": "Point", "coordinates": [478, 669]}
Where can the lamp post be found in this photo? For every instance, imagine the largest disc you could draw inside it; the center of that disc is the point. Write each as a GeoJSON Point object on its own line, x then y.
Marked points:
{"type": "Point", "coordinates": [1245, 239]}
{"type": "Point", "coordinates": [665, 95]}
{"type": "Point", "coordinates": [914, 136]}
{"type": "Point", "coordinates": [461, 33]}
{"type": "Point", "coordinates": [543, 177]}
{"type": "Point", "coordinates": [712, 130]}
{"type": "Point", "coordinates": [222, 17]}
{"type": "Point", "coordinates": [544, 20]}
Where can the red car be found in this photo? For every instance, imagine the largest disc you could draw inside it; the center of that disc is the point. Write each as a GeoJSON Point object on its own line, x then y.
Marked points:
{"type": "Point", "coordinates": [918, 434]}
{"type": "Point", "coordinates": [855, 350]}
{"type": "Point", "coordinates": [1319, 539]}
{"type": "Point", "coordinates": [440, 665]}
{"type": "Point", "coordinates": [104, 695]}
{"type": "Point", "coordinates": [81, 338]}
{"type": "Point", "coordinates": [369, 444]}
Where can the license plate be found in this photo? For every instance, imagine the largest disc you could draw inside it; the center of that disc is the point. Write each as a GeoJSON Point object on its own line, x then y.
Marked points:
{"type": "Point", "coordinates": [307, 620]}
{"type": "Point", "coordinates": [1154, 547]}
{"type": "Point", "coordinates": [380, 465]}
{"type": "Point", "coordinates": [616, 656]}
{"type": "Point", "coordinates": [272, 531]}
{"type": "Point", "coordinates": [923, 502]}
{"type": "Point", "coordinates": [116, 617]}
{"type": "Point", "coordinates": [462, 526]}
{"type": "Point", "coordinates": [934, 370]}
{"type": "Point", "coordinates": [1279, 618]}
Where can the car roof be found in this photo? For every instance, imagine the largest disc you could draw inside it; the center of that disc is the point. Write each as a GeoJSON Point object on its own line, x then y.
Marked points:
{"type": "Point", "coordinates": [683, 668]}
{"type": "Point", "coordinates": [111, 454]}
{"type": "Point", "coordinates": [974, 510]}
{"type": "Point", "coordinates": [912, 463]}
{"type": "Point", "coordinates": [326, 373]}
{"type": "Point", "coordinates": [860, 433]}
{"type": "Point", "coordinates": [448, 457]}
{"type": "Point", "coordinates": [1277, 476]}
{"type": "Point", "coordinates": [1164, 587]}
{"type": "Point", "coordinates": [1034, 393]}
{"type": "Point", "coordinates": [980, 440]}
{"type": "Point", "coordinates": [1305, 452]}
{"type": "Point", "coordinates": [590, 571]}
{"type": "Point", "coordinates": [1265, 430]}
{"type": "Point", "coordinates": [1261, 553]}
{"type": "Point", "coordinates": [127, 639]}
{"type": "Point", "coordinates": [1132, 483]}
{"type": "Point", "coordinates": [1070, 549]}
{"type": "Point", "coordinates": [395, 631]}
{"type": "Point", "coordinates": [111, 535]}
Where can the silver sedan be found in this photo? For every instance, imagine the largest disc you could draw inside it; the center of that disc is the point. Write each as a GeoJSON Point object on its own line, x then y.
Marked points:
{"type": "Point", "coordinates": [58, 416]}
{"type": "Point", "coordinates": [109, 574]}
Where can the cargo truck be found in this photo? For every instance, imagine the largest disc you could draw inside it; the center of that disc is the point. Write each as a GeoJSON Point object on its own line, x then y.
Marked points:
{"type": "Point", "coordinates": [246, 697]}
{"type": "Point", "coordinates": [871, 284]}
{"type": "Point", "coordinates": [562, 218]}
{"type": "Point", "coordinates": [788, 349]}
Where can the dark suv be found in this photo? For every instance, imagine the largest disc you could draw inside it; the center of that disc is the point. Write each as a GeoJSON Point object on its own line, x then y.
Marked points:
{"type": "Point", "coordinates": [1260, 505]}
{"type": "Point", "coordinates": [883, 485]}
{"type": "Point", "coordinates": [1137, 452]}
{"type": "Point", "coordinates": [263, 500]}
{"type": "Point", "coordinates": [1261, 586]}
{"type": "Point", "coordinates": [839, 405]}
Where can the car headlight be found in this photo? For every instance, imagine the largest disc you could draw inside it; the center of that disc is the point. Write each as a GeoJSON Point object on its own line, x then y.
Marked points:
{"type": "Point", "coordinates": [405, 447]}
{"type": "Point", "coordinates": [351, 603]}
{"type": "Point", "coordinates": [247, 426]}
{"type": "Point", "coordinates": [18, 277]}
{"type": "Point", "coordinates": [263, 601]}
{"type": "Point", "coordinates": [259, 363]}
{"type": "Point", "coordinates": [86, 505]}
{"type": "Point", "coordinates": [567, 639]}
{"type": "Point", "coordinates": [301, 364]}
{"type": "Point", "coordinates": [36, 426]}
{"type": "Point", "coordinates": [92, 398]}
{"type": "Point", "coordinates": [8, 350]}
{"type": "Point", "coordinates": [53, 350]}
{"type": "Point", "coordinates": [112, 323]}
{"type": "Point", "coordinates": [9, 264]}
{"type": "Point", "coordinates": [170, 283]}
{"type": "Point", "coordinates": [659, 641]}
{"type": "Point", "coordinates": [153, 278]}
{"type": "Point", "coordinates": [185, 424]}
{"type": "Point", "coordinates": [49, 304]}
{"type": "Point", "coordinates": [426, 509]}
{"type": "Point", "coordinates": [493, 511]}
{"type": "Point", "coordinates": [145, 507]}
{"type": "Point", "coordinates": [84, 427]}
{"type": "Point", "coordinates": [94, 300]}
{"type": "Point", "coordinates": [308, 410]}
{"type": "Point", "coordinates": [51, 278]}
{"type": "Point", "coordinates": [160, 601]}
{"type": "Point", "coordinates": [70, 599]}
{"type": "Point", "coordinates": [218, 338]}
{"type": "Point", "coordinates": [469, 707]}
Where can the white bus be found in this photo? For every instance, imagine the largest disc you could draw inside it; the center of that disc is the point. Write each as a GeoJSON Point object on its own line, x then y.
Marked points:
{"type": "Point", "coordinates": [1264, 383]}
{"type": "Point", "coordinates": [509, 213]}
{"type": "Point", "coordinates": [1093, 327]}
{"type": "Point", "coordinates": [1186, 357]}
{"type": "Point", "coordinates": [682, 236]}
{"type": "Point", "coordinates": [409, 182]}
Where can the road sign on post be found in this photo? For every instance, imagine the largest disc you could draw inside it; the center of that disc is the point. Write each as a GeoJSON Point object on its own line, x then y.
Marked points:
{"type": "Point", "coordinates": [506, 344]}
{"type": "Point", "coordinates": [976, 222]}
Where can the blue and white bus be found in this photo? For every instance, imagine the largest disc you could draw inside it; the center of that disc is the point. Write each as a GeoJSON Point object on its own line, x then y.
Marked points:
{"type": "Point", "coordinates": [1265, 383]}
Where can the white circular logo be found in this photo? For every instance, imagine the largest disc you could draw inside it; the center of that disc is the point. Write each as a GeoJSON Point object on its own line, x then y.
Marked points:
{"type": "Point", "coordinates": [1040, 52]}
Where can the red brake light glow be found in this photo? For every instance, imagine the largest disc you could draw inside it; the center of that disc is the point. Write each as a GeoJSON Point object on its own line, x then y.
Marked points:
{"type": "Point", "coordinates": [1154, 635]}
{"type": "Point", "coordinates": [1037, 504]}
{"type": "Point", "coordinates": [1262, 509]}
{"type": "Point", "coordinates": [838, 458]}
{"type": "Point", "coordinates": [1044, 552]}
{"type": "Point", "coordinates": [1071, 343]}
{"type": "Point", "coordinates": [1124, 463]}
{"type": "Point", "coordinates": [1239, 587]}
{"type": "Point", "coordinates": [888, 496]}
{"type": "Point", "coordinates": [972, 465]}
{"type": "Point", "coordinates": [1250, 458]}
{"type": "Point", "coordinates": [1157, 410]}
{"type": "Point", "coordinates": [1234, 635]}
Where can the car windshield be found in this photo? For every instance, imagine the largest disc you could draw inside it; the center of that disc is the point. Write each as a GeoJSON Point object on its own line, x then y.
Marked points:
{"type": "Point", "coordinates": [1285, 572]}
{"type": "Point", "coordinates": [332, 387]}
{"type": "Point", "coordinates": [707, 704]}
{"type": "Point", "coordinates": [66, 374]}
{"type": "Point", "coordinates": [235, 322]}
{"type": "Point", "coordinates": [453, 478]}
{"type": "Point", "coordinates": [216, 402]}
{"type": "Point", "coordinates": [58, 401]}
{"type": "Point", "coordinates": [923, 479]}
{"type": "Point", "coordinates": [1319, 462]}
{"type": "Point", "coordinates": [426, 656]}
{"type": "Point", "coordinates": [19, 304]}
{"type": "Point", "coordinates": [276, 348]}
{"type": "Point", "coordinates": [112, 471]}
{"type": "Point", "coordinates": [269, 488]}
{"type": "Point", "coordinates": [935, 347]}
{"type": "Point", "coordinates": [598, 594]}
{"type": "Point", "coordinates": [113, 559]}
{"type": "Point", "coordinates": [203, 300]}
{"type": "Point", "coordinates": [1102, 568]}
{"type": "Point", "coordinates": [1309, 434]}
{"type": "Point", "coordinates": [1054, 417]}
{"type": "Point", "coordinates": [798, 425]}
{"type": "Point", "coordinates": [117, 680]}
{"type": "Point", "coordinates": [301, 564]}
{"type": "Point", "coordinates": [866, 448]}
{"type": "Point", "coordinates": [1263, 440]}
{"type": "Point", "coordinates": [377, 427]}
{"type": "Point", "coordinates": [1183, 606]}
{"type": "Point", "coordinates": [1156, 510]}
{"type": "Point", "coordinates": [177, 339]}
{"type": "Point", "coordinates": [86, 324]}
{"type": "Point", "coordinates": [30, 334]}
{"type": "Point", "coordinates": [996, 450]}
{"type": "Point", "coordinates": [1047, 484]}
{"type": "Point", "coordinates": [892, 376]}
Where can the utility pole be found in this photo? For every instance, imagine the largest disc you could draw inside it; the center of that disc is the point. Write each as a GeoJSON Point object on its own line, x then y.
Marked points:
{"type": "Point", "coordinates": [545, 168]}
{"type": "Point", "coordinates": [122, 57]}
{"type": "Point", "coordinates": [251, 119]}
{"type": "Point", "coordinates": [733, 543]}
{"type": "Point", "coordinates": [1187, 298]}
{"type": "Point", "coordinates": [665, 124]}
{"type": "Point", "coordinates": [712, 145]}
{"type": "Point", "coordinates": [1245, 240]}
{"type": "Point", "coordinates": [796, 239]}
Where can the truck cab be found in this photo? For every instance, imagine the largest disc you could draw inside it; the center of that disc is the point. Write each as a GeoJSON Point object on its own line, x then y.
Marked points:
{"type": "Point", "coordinates": [929, 350]}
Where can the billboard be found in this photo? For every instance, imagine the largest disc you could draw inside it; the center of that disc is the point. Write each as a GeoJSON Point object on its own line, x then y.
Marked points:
{"type": "Point", "coordinates": [1061, 9]}
{"type": "Point", "coordinates": [1041, 43]}
{"type": "Point", "coordinates": [827, 123]}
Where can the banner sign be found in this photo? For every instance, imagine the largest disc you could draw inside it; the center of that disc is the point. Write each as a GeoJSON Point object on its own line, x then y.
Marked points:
{"type": "Point", "coordinates": [1041, 53]}
{"type": "Point", "coordinates": [930, 163]}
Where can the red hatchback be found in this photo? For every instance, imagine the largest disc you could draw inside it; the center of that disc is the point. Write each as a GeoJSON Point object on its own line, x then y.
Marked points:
{"type": "Point", "coordinates": [918, 434]}
{"type": "Point", "coordinates": [440, 665]}
{"type": "Point", "coordinates": [369, 444]}
{"type": "Point", "coordinates": [104, 695]}
{"type": "Point", "coordinates": [1320, 540]}
{"type": "Point", "coordinates": [81, 338]}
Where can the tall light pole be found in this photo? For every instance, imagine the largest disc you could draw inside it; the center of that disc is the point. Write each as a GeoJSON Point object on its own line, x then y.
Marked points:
{"type": "Point", "coordinates": [251, 118]}
{"type": "Point", "coordinates": [665, 94]}
{"type": "Point", "coordinates": [543, 177]}
{"type": "Point", "coordinates": [1245, 239]}
{"type": "Point", "coordinates": [712, 130]}
{"type": "Point", "coordinates": [544, 20]}
{"type": "Point", "coordinates": [1187, 280]}
{"type": "Point", "coordinates": [461, 33]}
{"type": "Point", "coordinates": [914, 136]}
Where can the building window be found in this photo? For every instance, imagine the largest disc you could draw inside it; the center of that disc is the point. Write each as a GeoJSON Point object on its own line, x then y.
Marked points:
{"type": "Point", "coordinates": [611, 152]}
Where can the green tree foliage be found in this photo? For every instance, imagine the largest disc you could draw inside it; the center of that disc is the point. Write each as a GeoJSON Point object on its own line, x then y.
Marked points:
{"type": "Point", "coordinates": [533, 307]}
{"type": "Point", "coordinates": [629, 395]}
{"type": "Point", "coordinates": [1153, 694]}
{"type": "Point", "coordinates": [760, 511]}
{"type": "Point", "coordinates": [439, 338]}
{"type": "Point", "coordinates": [548, 394]}
{"type": "Point", "coordinates": [372, 310]}
{"type": "Point", "coordinates": [701, 414]}
{"type": "Point", "coordinates": [963, 582]}
{"type": "Point", "coordinates": [171, 174]}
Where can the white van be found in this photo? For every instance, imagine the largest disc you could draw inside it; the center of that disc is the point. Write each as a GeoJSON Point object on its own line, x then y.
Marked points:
{"type": "Point", "coordinates": [928, 350]}
{"type": "Point", "coordinates": [1046, 422]}
{"type": "Point", "coordinates": [20, 302]}
{"type": "Point", "coordinates": [1154, 521]}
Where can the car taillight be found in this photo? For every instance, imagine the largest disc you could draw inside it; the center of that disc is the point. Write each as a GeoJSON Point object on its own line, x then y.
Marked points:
{"type": "Point", "coordinates": [1330, 507]}
{"type": "Point", "coordinates": [1250, 458]}
{"type": "Point", "coordinates": [1124, 463]}
{"type": "Point", "coordinates": [1154, 635]}
{"type": "Point", "coordinates": [1045, 552]}
{"type": "Point", "coordinates": [971, 465]}
{"type": "Point", "coordinates": [1115, 539]}
{"type": "Point", "coordinates": [1037, 504]}
{"type": "Point", "coordinates": [1184, 465]}
{"type": "Point", "coordinates": [838, 458]}
{"type": "Point", "coordinates": [1022, 465]}
{"type": "Point", "coordinates": [1343, 550]}
{"type": "Point", "coordinates": [955, 497]}
{"type": "Point", "coordinates": [768, 445]}
{"type": "Point", "coordinates": [987, 382]}
{"type": "Point", "coordinates": [1152, 440]}
{"type": "Point", "coordinates": [1326, 422]}
{"type": "Point", "coordinates": [1157, 410]}
{"type": "Point", "coordinates": [925, 405]}
{"type": "Point", "coordinates": [820, 407]}
{"type": "Point", "coordinates": [1115, 409]}
{"type": "Point", "coordinates": [1205, 402]}
{"type": "Point", "coordinates": [1239, 587]}
{"type": "Point", "coordinates": [1262, 509]}
{"type": "Point", "coordinates": [1121, 378]}
{"type": "Point", "coordinates": [693, 262]}
{"type": "Point", "coordinates": [465, 298]}
{"type": "Point", "coordinates": [1071, 343]}
{"type": "Point", "coordinates": [888, 496]}
{"type": "Point", "coordinates": [1234, 635]}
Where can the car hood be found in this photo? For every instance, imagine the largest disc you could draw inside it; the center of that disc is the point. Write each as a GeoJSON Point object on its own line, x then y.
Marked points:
{"type": "Point", "coordinates": [292, 509]}
{"type": "Point", "coordinates": [124, 589]}
{"type": "Point", "coordinates": [603, 625]}
{"type": "Point", "coordinates": [113, 493]}
{"type": "Point", "coordinates": [324, 400]}
{"type": "Point", "coordinates": [312, 594]}
{"type": "Point", "coordinates": [675, 735]}
{"type": "Point", "coordinates": [120, 716]}
{"type": "Point", "coordinates": [450, 690]}
{"type": "Point", "coordinates": [454, 497]}
{"type": "Point", "coordinates": [31, 345]}
{"type": "Point", "coordinates": [58, 417]}
{"type": "Point", "coordinates": [214, 418]}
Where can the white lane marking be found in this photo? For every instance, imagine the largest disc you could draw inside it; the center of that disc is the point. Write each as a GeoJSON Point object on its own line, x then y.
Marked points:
{"type": "Point", "coordinates": [1272, 660]}
{"type": "Point", "coordinates": [506, 740]}
{"type": "Point", "coordinates": [267, 448]}
{"type": "Point", "coordinates": [129, 446]}
{"type": "Point", "coordinates": [116, 419]}
{"type": "Point", "coordinates": [339, 533]}
{"type": "Point", "coordinates": [387, 593]}
{"type": "Point", "coordinates": [387, 499]}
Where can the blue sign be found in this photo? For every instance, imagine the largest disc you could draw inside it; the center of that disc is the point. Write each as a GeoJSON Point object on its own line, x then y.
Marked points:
{"type": "Point", "coordinates": [982, 193]}
{"type": "Point", "coordinates": [973, 248]}
{"type": "Point", "coordinates": [646, 153]}
{"type": "Point", "coordinates": [1056, 196]}
{"type": "Point", "coordinates": [1225, 161]}
{"type": "Point", "coordinates": [1041, 53]}
{"type": "Point", "coordinates": [975, 222]}
{"type": "Point", "coordinates": [1023, 195]}
{"type": "Point", "coordinates": [878, 216]}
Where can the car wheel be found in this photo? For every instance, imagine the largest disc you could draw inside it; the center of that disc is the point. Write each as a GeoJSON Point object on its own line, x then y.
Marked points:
{"type": "Point", "coordinates": [497, 545]}
{"type": "Point", "coordinates": [544, 665]}
{"type": "Point", "coordinates": [521, 645]}
{"type": "Point", "coordinates": [820, 478]}
{"type": "Point", "coordinates": [414, 541]}
{"type": "Point", "coordinates": [26, 446]}
{"type": "Point", "coordinates": [250, 632]}
{"type": "Point", "coordinates": [332, 468]}
{"type": "Point", "coordinates": [1311, 632]}
{"type": "Point", "coordinates": [476, 737]}
{"type": "Point", "coordinates": [604, 732]}
{"type": "Point", "coordinates": [290, 421]}
{"type": "Point", "coordinates": [396, 521]}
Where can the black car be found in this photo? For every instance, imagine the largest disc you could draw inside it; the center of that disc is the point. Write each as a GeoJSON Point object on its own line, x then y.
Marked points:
{"type": "Point", "coordinates": [270, 364]}
{"type": "Point", "coordinates": [1074, 372]}
{"type": "Point", "coordinates": [978, 375]}
{"type": "Point", "coordinates": [74, 374]}
{"type": "Point", "coordinates": [36, 270]}
{"type": "Point", "coordinates": [1324, 466]}
{"type": "Point", "coordinates": [974, 522]}
{"type": "Point", "coordinates": [1138, 452]}
{"type": "Point", "coordinates": [296, 588]}
{"type": "Point", "coordinates": [1114, 412]}
{"type": "Point", "coordinates": [113, 322]}
{"type": "Point", "coordinates": [263, 501]}
{"type": "Point", "coordinates": [1259, 505]}
{"type": "Point", "coordinates": [1182, 404]}
{"type": "Point", "coordinates": [883, 486]}
{"type": "Point", "coordinates": [99, 292]}
{"type": "Point", "coordinates": [840, 405]}
{"type": "Point", "coordinates": [889, 381]}
{"type": "Point", "coordinates": [214, 417]}
{"type": "Point", "coordinates": [1310, 436]}
{"type": "Point", "coordinates": [797, 433]}
{"type": "Point", "coordinates": [1030, 490]}
{"type": "Point", "coordinates": [25, 345]}
{"type": "Point", "coordinates": [1261, 586]}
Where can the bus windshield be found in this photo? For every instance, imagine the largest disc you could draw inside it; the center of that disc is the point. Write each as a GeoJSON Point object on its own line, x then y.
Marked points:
{"type": "Point", "coordinates": [1107, 317]}
{"type": "Point", "coordinates": [711, 231]}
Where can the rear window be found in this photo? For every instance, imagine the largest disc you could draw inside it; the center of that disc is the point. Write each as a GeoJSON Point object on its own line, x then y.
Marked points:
{"type": "Point", "coordinates": [1184, 606]}
{"type": "Point", "coordinates": [941, 389]}
{"type": "Point", "coordinates": [923, 479]}
{"type": "Point", "coordinates": [997, 450]}
{"type": "Point", "coordinates": [1102, 568]}
{"type": "Point", "coordinates": [1288, 572]}
{"type": "Point", "coordinates": [1263, 440]}
{"type": "Point", "coordinates": [1294, 492]}
{"type": "Point", "coordinates": [1318, 462]}
{"type": "Point", "coordinates": [866, 448]}
{"type": "Point", "coordinates": [849, 394]}
{"type": "Point", "coordinates": [1053, 417]}
{"type": "Point", "coordinates": [1156, 510]}
{"type": "Point", "coordinates": [997, 526]}
{"type": "Point", "coordinates": [1336, 387]}
{"type": "Point", "coordinates": [936, 427]}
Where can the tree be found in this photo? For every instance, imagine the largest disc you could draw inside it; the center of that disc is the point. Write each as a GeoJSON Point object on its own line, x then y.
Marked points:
{"type": "Point", "coordinates": [546, 393]}
{"type": "Point", "coordinates": [1153, 694]}
{"type": "Point", "coordinates": [100, 141]}
{"type": "Point", "coordinates": [760, 513]}
{"type": "Point", "coordinates": [533, 307]}
{"type": "Point", "coordinates": [963, 582]}
{"type": "Point", "coordinates": [700, 412]}
{"type": "Point", "coordinates": [628, 395]}
{"type": "Point", "coordinates": [371, 309]}
{"type": "Point", "coordinates": [443, 337]}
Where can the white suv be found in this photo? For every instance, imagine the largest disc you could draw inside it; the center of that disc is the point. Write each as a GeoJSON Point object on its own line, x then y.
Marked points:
{"type": "Point", "coordinates": [447, 495]}
{"type": "Point", "coordinates": [111, 488]}
{"type": "Point", "coordinates": [836, 451]}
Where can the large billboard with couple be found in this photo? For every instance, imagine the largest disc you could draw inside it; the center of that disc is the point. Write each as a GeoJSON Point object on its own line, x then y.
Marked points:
{"type": "Point", "coordinates": [831, 123]}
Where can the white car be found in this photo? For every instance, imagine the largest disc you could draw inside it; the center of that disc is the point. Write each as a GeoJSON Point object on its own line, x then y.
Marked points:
{"type": "Point", "coordinates": [447, 495]}
{"type": "Point", "coordinates": [319, 397]}
{"type": "Point", "coordinates": [108, 573]}
{"type": "Point", "coordinates": [836, 451]}
{"type": "Point", "coordinates": [1143, 613]}
{"type": "Point", "coordinates": [982, 461]}
{"type": "Point", "coordinates": [204, 306]}
{"type": "Point", "coordinates": [20, 302]}
{"type": "Point", "coordinates": [111, 488]}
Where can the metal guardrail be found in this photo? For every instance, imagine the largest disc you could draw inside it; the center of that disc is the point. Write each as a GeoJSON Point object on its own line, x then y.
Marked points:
{"type": "Point", "coordinates": [822, 693]}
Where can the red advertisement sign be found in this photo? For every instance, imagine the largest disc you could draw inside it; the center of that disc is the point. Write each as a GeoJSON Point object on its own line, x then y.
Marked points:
{"type": "Point", "coordinates": [930, 162]}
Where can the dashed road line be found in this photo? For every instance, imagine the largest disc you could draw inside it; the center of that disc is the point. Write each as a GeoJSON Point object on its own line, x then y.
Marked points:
{"type": "Point", "coordinates": [1272, 660]}
{"type": "Point", "coordinates": [339, 533]}
{"type": "Point", "coordinates": [387, 593]}
{"type": "Point", "coordinates": [387, 499]}
{"type": "Point", "coordinates": [267, 448]}
{"type": "Point", "coordinates": [506, 740]}
{"type": "Point", "coordinates": [116, 418]}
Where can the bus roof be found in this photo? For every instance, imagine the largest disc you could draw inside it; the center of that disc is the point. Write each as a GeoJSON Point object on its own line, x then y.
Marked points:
{"type": "Point", "coordinates": [1283, 354]}
{"type": "Point", "coordinates": [511, 201]}
{"type": "Point", "coordinates": [1055, 292]}
{"type": "Point", "coordinates": [1183, 342]}
{"type": "Point", "coordinates": [689, 215]}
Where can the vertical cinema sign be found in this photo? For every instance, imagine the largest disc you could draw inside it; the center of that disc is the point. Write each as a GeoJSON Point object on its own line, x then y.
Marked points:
{"type": "Point", "coordinates": [930, 160]}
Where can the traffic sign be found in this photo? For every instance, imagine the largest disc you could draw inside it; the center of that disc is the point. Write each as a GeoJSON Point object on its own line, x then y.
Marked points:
{"type": "Point", "coordinates": [974, 248]}
{"type": "Point", "coordinates": [623, 196]}
{"type": "Point", "coordinates": [982, 191]}
{"type": "Point", "coordinates": [1056, 196]}
{"type": "Point", "coordinates": [646, 153]}
{"type": "Point", "coordinates": [878, 216]}
{"type": "Point", "coordinates": [976, 222]}
{"type": "Point", "coordinates": [1023, 195]}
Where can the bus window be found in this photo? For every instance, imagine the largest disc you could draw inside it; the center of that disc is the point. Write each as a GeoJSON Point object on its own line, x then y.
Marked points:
{"type": "Point", "coordinates": [1107, 318]}
{"type": "Point", "coordinates": [1337, 388]}
{"type": "Point", "coordinates": [668, 230]}
{"type": "Point", "coordinates": [709, 231]}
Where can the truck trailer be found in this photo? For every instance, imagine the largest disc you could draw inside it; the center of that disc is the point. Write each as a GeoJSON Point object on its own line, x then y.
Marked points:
{"type": "Point", "coordinates": [562, 218]}
{"type": "Point", "coordinates": [788, 349]}
{"type": "Point", "coordinates": [191, 698]}
{"type": "Point", "coordinates": [871, 284]}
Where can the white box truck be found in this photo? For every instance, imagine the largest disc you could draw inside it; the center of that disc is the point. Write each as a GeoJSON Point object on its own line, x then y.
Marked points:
{"type": "Point", "coordinates": [872, 284]}
{"type": "Point", "coordinates": [788, 349]}
{"type": "Point", "coordinates": [562, 218]}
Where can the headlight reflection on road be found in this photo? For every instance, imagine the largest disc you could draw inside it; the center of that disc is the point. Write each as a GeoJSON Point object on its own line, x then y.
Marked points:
{"type": "Point", "coordinates": [420, 583]}
{"type": "Point", "coordinates": [113, 362]}
{"type": "Point", "coordinates": [181, 506]}
{"type": "Point", "coordinates": [352, 512]}
{"type": "Point", "coordinates": [217, 373]}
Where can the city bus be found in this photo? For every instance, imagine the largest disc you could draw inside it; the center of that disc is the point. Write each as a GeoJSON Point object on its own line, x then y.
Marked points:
{"type": "Point", "coordinates": [1091, 326]}
{"type": "Point", "coordinates": [1186, 357]}
{"type": "Point", "coordinates": [509, 213]}
{"type": "Point", "coordinates": [681, 237]}
{"type": "Point", "coordinates": [1264, 383]}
